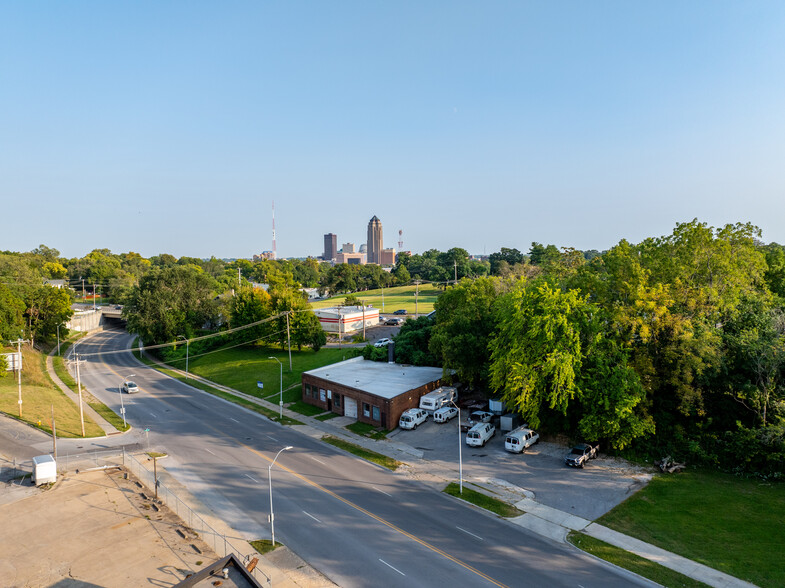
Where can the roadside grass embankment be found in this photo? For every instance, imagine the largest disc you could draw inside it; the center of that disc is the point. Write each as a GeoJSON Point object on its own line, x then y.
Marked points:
{"type": "Point", "coordinates": [391, 299]}
{"type": "Point", "coordinates": [490, 503]}
{"type": "Point", "coordinates": [39, 395]}
{"type": "Point", "coordinates": [634, 563]}
{"type": "Point", "coordinates": [732, 524]}
{"type": "Point", "coordinates": [366, 454]}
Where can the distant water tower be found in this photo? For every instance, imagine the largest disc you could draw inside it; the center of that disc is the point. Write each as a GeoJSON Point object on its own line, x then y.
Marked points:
{"type": "Point", "coordinates": [400, 239]}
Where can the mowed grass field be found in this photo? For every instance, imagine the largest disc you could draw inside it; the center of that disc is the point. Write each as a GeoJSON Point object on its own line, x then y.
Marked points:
{"type": "Point", "coordinates": [39, 394]}
{"type": "Point", "coordinates": [732, 524]}
{"type": "Point", "coordinates": [392, 299]}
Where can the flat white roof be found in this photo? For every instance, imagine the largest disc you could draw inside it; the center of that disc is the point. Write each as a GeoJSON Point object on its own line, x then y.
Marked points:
{"type": "Point", "coordinates": [375, 377]}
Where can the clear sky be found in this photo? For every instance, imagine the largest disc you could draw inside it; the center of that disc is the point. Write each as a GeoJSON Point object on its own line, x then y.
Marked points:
{"type": "Point", "coordinates": [172, 126]}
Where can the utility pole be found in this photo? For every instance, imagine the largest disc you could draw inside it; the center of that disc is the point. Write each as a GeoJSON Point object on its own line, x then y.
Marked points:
{"type": "Point", "coordinates": [82, 289]}
{"type": "Point", "coordinates": [289, 339]}
{"type": "Point", "coordinates": [416, 298]}
{"type": "Point", "coordinates": [19, 342]}
{"type": "Point", "coordinates": [58, 340]}
{"type": "Point", "coordinates": [363, 320]}
{"type": "Point", "coordinates": [239, 279]}
{"type": "Point", "coordinates": [79, 387]}
{"type": "Point", "coordinates": [93, 306]}
{"type": "Point", "coordinates": [455, 262]}
{"type": "Point", "coordinates": [54, 432]}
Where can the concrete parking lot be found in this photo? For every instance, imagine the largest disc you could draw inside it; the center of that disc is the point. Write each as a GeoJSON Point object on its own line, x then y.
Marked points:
{"type": "Point", "coordinates": [588, 493]}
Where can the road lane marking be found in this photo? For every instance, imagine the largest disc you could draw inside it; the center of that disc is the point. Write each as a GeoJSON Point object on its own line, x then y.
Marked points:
{"type": "Point", "coordinates": [210, 452]}
{"type": "Point", "coordinates": [235, 420]}
{"type": "Point", "coordinates": [153, 415]}
{"type": "Point", "coordinates": [382, 491]}
{"type": "Point", "coordinates": [254, 479]}
{"type": "Point", "coordinates": [469, 533]}
{"type": "Point", "coordinates": [313, 517]}
{"type": "Point", "coordinates": [317, 459]}
{"type": "Point", "coordinates": [391, 567]}
{"type": "Point", "coordinates": [273, 438]}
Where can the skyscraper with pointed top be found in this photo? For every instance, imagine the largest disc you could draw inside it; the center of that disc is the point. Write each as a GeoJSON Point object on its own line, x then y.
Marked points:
{"type": "Point", "coordinates": [374, 240]}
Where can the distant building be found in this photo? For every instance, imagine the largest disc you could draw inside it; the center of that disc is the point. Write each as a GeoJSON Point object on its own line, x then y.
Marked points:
{"type": "Point", "coordinates": [363, 248]}
{"type": "Point", "coordinates": [387, 257]}
{"type": "Point", "coordinates": [346, 319]}
{"type": "Point", "coordinates": [264, 255]}
{"type": "Point", "coordinates": [330, 246]}
{"type": "Point", "coordinates": [375, 240]}
{"type": "Point", "coordinates": [348, 248]}
{"type": "Point", "coordinates": [351, 258]}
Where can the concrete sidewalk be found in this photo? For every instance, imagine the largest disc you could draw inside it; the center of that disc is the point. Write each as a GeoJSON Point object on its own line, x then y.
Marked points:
{"type": "Point", "coordinates": [538, 518]}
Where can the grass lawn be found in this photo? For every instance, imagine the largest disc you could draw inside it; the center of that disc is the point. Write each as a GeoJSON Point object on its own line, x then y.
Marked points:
{"type": "Point", "coordinates": [264, 545]}
{"type": "Point", "coordinates": [39, 394]}
{"type": "Point", "coordinates": [400, 297]}
{"type": "Point", "coordinates": [367, 430]}
{"type": "Point", "coordinates": [366, 454]}
{"type": "Point", "coordinates": [293, 394]}
{"type": "Point", "coordinates": [494, 505]}
{"type": "Point", "coordinates": [630, 561]}
{"type": "Point", "coordinates": [732, 524]}
{"type": "Point", "coordinates": [306, 409]}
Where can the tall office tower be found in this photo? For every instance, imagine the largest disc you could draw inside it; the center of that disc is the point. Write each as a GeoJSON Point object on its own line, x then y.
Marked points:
{"type": "Point", "coordinates": [330, 246]}
{"type": "Point", "coordinates": [374, 240]}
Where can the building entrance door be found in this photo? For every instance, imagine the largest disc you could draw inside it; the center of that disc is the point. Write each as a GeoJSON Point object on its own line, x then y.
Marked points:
{"type": "Point", "coordinates": [349, 407]}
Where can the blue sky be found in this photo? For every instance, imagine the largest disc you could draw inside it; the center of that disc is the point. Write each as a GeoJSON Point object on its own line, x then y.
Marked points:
{"type": "Point", "coordinates": [172, 126]}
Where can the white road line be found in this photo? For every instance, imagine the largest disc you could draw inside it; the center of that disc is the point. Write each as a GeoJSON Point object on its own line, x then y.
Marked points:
{"type": "Point", "coordinates": [210, 452]}
{"type": "Point", "coordinates": [153, 415]}
{"type": "Point", "coordinates": [254, 479]}
{"type": "Point", "coordinates": [382, 491]}
{"type": "Point", "coordinates": [317, 459]}
{"type": "Point", "coordinates": [468, 533]}
{"type": "Point", "coordinates": [273, 438]}
{"type": "Point", "coordinates": [391, 567]}
{"type": "Point", "coordinates": [313, 517]}
{"type": "Point", "coordinates": [235, 420]}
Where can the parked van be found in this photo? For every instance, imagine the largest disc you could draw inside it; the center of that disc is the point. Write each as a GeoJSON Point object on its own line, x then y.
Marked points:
{"type": "Point", "coordinates": [433, 401]}
{"type": "Point", "coordinates": [518, 440]}
{"type": "Point", "coordinates": [444, 414]}
{"type": "Point", "coordinates": [479, 434]}
{"type": "Point", "coordinates": [412, 417]}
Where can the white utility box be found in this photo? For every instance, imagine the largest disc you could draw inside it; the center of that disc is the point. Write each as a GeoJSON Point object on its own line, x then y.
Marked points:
{"type": "Point", "coordinates": [44, 470]}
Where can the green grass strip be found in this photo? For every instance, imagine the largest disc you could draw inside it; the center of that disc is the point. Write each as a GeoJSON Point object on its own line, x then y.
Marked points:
{"type": "Point", "coordinates": [366, 430]}
{"type": "Point", "coordinates": [366, 454]}
{"type": "Point", "coordinates": [264, 545]}
{"type": "Point", "coordinates": [634, 563]}
{"type": "Point", "coordinates": [304, 408]}
{"type": "Point", "coordinates": [494, 505]}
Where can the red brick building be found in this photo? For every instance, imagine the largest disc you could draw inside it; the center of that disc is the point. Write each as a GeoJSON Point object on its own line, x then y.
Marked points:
{"type": "Point", "coordinates": [373, 392]}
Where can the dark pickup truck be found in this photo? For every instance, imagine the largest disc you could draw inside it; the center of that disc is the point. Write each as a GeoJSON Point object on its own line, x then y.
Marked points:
{"type": "Point", "coordinates": [580, 454]}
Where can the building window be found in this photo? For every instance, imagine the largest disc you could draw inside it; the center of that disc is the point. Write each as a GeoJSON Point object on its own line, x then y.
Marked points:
{"type": "Point", "coordinates": [322, 395]}
{"type": "Point", "coordinates": [366, 410]}
{"type": "Point", "coordinates": [376, 416]}
{"type": "Point", "coordinates": [337, 400]}
{"type": "Point", "coordinates": [307, 390]}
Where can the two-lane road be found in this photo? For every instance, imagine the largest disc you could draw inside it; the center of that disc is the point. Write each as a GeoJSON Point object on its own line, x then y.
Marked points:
{"type": "Point", "coordinates": [357, 523]}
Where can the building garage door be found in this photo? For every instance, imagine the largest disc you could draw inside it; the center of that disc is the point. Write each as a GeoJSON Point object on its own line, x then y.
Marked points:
{"type": "Point", "coordinates": [349, 407]}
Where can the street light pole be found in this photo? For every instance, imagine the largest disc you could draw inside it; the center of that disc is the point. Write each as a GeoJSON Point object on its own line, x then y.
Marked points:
{"type": "Point", "coordinates": [280, 401]}
{"type": "Point", "coordinates": [270, 480]}
{"type": "Point", "coordinates": [122, 406]}
{"type": "Point", "coordinates": [186, 354]}
{"type": "Point", "coordinates": [460, 447]}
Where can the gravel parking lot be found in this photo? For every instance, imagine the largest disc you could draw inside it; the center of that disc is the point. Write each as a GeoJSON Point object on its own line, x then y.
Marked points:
{"type": "Point", "coordinates": [588, 493]}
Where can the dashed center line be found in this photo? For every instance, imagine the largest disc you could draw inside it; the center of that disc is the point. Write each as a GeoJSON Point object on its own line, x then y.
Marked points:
{"type": "Point", "coordinates": [391, 567]}
{"type": "Point", "coordinates": [313, 517]}
{"type": "Point", "coordinates": [382, 491]}
{"type": "Point", "coordinates": [469, 533]}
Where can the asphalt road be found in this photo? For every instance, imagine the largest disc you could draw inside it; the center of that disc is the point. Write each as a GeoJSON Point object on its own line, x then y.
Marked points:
{"type": "Point", "coordinates": [357, 523]}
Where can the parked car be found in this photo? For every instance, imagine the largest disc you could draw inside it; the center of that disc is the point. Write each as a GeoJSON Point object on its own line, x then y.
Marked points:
{"type": "Point", "coordinates": [412, 417]}
{"type": "Point", "coordinates": [479, 434]}
{"type": "Point", "coordinates": [130, 387]}
{"type": "Point", "coordinates": [382, 342]}
{"type": "Point", "coordinates": [519, 439]}
{"type": "Point", "coordinates": [480, 416]}
{"type": "Point", "coordinates": [400, 311]}
{"type": "Point", "coordinates": [444, 414]}
{"type": "Point", "coordinates": [393, 322]}
{"type": "Point", "coordinates": [580, 454]}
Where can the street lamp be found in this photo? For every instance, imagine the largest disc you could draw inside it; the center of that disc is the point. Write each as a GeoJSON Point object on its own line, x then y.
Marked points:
{"type": "Point", "coordinates": [122, 406]}
{"type": "Point", "coordinates": [186, 354]}
{"type": "Point", "coordinates": [460, 446]}
{"type": "Point", "coordinates": [280, 402]}
{"type": "Point", "coordinates": [270, 480]}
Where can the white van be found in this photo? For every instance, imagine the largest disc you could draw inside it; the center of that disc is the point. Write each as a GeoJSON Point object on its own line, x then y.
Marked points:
{"type": "Point", "coordinates": [433, 401]}
{"type": "Point", "coordinates": [412, 417]}
{"type": "Point", "coordinates": [519, 439]}
{"type": "Point", "coordinates": [444, 414]}
{"type": "Point", "coordinates": [479, 434]}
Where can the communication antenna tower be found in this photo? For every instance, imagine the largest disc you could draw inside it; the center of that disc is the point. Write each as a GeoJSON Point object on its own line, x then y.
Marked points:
{"type": "Point", "coordinates": [275, 254]}
{"type": "Point", "coordinates": [400, 239]}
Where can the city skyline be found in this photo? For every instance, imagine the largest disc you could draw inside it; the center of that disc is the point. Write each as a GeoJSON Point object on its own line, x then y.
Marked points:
{"type": "Point", "coordinates": [170, 128]}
